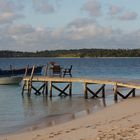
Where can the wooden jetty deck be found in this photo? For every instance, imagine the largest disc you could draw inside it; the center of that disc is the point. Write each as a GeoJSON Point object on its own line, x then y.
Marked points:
{"type": "Point", "coordinates": [48, 83]}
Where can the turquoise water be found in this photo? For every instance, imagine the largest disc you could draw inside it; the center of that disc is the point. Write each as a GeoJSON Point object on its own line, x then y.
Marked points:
{"type": "Point", "coordinates": [17, 113]}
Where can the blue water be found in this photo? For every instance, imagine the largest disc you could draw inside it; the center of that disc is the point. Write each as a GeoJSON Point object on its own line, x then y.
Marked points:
{"type": "Point", "coordinates": [17, 113]}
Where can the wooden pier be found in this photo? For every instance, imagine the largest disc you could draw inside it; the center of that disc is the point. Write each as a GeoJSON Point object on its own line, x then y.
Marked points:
{"type": "Point", "coordinates": [49, 83]}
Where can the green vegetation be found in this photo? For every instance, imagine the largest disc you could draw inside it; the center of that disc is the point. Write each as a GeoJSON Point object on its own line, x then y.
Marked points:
{"type": "Point", "coordinates": [74, 53]}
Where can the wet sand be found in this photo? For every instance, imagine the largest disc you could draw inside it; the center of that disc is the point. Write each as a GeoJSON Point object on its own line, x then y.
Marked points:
{"type": "Point", "coordinates": [117, 122]}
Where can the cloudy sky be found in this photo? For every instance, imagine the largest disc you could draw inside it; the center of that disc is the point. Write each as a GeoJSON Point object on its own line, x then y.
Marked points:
{"type": "Point", "coordinates": [34, 25]}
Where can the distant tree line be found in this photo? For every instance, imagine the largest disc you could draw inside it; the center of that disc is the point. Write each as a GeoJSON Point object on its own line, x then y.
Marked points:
{"type": "Point", "coordinates": [74, 53]}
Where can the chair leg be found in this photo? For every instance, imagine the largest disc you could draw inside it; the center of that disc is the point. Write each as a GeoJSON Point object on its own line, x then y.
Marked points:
{"type": "Point", "coordinates": [67, 74]}
{"type": "Point", "coordinates": [70, 75]}
{"type": "Point", "coordinates": [64, 74]}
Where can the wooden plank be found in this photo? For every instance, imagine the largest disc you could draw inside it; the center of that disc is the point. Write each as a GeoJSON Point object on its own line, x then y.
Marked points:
{"type": "Point", "coordinates": [67, 79]}
{"type": "Point", "coordinates": [26, 71]}
{"type": "Point", "coordinates": [116, 84]}
{"type": "Point", "coordinates": [129, 85]}
{"type": "Point", "coordinates": [82, 80]}
{"type": "Point", "coordinates": [62, 91]}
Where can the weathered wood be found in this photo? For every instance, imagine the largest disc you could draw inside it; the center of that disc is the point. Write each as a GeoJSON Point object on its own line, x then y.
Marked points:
{"type": "Point", "coordinates": [45, 89]}
{"type": "Point", "coordinates": [50, 89]}
{"type": "Point", "coordinates": [23, 89]}
{"type": "Point", "coordinates": [115, 92]}
{"type": "Point", "coordinates": [82, 80]}
{"type": "Point", "coordinates": [68, 79]}
{"type": "Point", "coordinates": [30, 80]}
{"type": "Point", "coordinates": [103, 91]}
{"type": "Point", "coordinates": [26, 71]}
{"type": "Point", "coordinates": [129, 85]}
{"type": "Point", "coordinates": [29, 87]}
{"type": "Point", "coordinates": [25, 86]}
{"type": "Point", "coordinates": [92, 92]}
{"type": "Point", "coordinates": [38, 91]}
{"type": "Point", "coordinates": [85, 81]}
{"type": "Point", "coordinates": [63, 91]}
{"type": "Point", "coordinates": [70, 88]}
{"type": "Point", "coordinates": [95, 93]}
{"type": "Point", "coordinates": [85, 91]}
{"type": "Point", "coordinates": [46, 71]}
{"type": "Point", "coordinates": [132, 91]}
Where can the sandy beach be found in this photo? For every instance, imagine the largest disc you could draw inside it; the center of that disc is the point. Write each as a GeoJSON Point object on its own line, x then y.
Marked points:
{"type": "Point", "coordinates": [117, 122]}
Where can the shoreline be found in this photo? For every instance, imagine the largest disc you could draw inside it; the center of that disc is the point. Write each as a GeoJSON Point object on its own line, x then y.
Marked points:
{"type": "Point", "coordinates": [58, 119]}
{"type": "Point", "coordinates": [118, 121]}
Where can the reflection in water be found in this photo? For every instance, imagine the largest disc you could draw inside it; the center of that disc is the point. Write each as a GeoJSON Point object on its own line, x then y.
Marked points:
{"type": "Point", "coordinates": [28, 106]}
{"type": "Point", "coordinates": [16, 112]}
{"type": "Point", "coordinates": [58, 110]}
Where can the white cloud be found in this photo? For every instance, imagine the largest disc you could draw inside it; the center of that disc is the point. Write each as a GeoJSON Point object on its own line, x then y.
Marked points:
{"type": "Point", "coordinates": [128, 15]}
{"type": "Point", "coordinates": [85, 29]}
{"type": "Point", "coordinates": [43, 6]}
{"type": "Point", "coordinates": [81, 33]}
{"type": "Point", "coordinates": [20, 29]}
{"type": "Point", "coordinates": [92, 7]}
{"type": "Point", "coordinates": [10, 6]}
{"type": "Point", "coordinates": [116, 12]}
{"type": "Point", "coordinates": [9, 17]}
{"type": "Point", "coordinates": [9, 11]}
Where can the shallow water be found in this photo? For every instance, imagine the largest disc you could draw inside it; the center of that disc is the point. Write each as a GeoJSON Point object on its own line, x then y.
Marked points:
{"type": "Point", "coordinates": [17, 113]}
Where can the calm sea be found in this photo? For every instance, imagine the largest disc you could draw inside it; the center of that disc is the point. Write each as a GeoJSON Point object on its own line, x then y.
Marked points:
{"type": "Point", "coordinates": [17, 113]}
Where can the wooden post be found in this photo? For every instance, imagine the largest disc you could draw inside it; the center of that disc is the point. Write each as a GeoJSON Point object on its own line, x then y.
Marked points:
{"type": "Point", "coordinates": [30, 81]}
{"type": "Point", "coordinates": [134, 93]}
{"type": "Point", "coordinates": [32, 73]}
{"type": "Point", "coordinates": [104, 102]}
{"type": "Point", "coordinates": [23, 88]}
{"type": "Point", "coordinates": [25, 85]}
{"type": "Point", "coordinates": [26, 71]}
{"type": "Point", "coordinates": [115, 92]}
{"type": "Point", "coordinates": [103, 91]}
{"type": "Point", "coordinates": [29, 88]}
{"type": "Point", "coordinates": [70, 88]}
{"type": "Point", "coordinates": [85, 91]}
{"type": "Point", "coordinates": [46, 88]}
{"type": "Point", "coordinates": [50, 88]}
{"type": "Point", "coordinates": [46, 70]}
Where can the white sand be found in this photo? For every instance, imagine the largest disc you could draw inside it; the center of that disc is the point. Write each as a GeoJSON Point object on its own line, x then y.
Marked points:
{"type": "Point", "coordinates": [117, 122]}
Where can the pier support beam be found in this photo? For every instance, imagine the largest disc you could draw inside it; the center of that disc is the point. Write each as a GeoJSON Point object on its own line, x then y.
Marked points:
{"type": "Point", "coordinates": [85, 91]}
{"type": "Point", "coordinates": [26, 87]}
{"type": "Point", "coordinates": [66, 87]}
{"type": "Point", "coordinates": [118, 93]}
{"type": "Point", "coordinates": [115, 92]}
{"type": "Point", "coordinates": [94, 93]}
{"type": "Point", "coordinates": [45, 89]}
{"type": "Point", "coordinates": [38, 91]}
{"type": "Point", "coordinates": [61, 91]}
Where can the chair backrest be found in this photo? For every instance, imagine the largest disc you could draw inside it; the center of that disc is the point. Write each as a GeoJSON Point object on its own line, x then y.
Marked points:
{"type": "Point", "coordinates": [70, 68]}
{"type": "Point", "coordinates": [56, 70]}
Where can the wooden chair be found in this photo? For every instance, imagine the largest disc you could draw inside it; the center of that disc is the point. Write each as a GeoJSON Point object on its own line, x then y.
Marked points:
{"type": "Point", "coordinates": [56, 70]}
{"type": "Point", "coordinates": [67, 71]}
